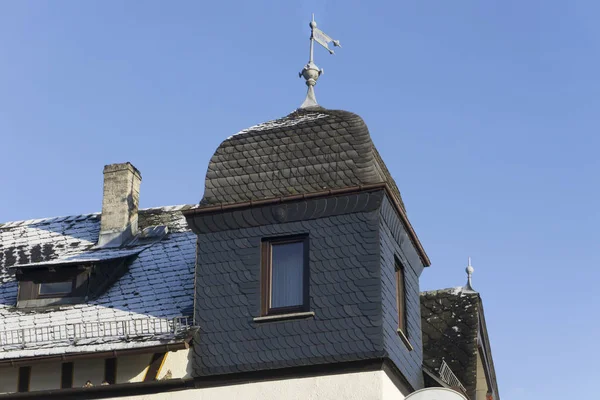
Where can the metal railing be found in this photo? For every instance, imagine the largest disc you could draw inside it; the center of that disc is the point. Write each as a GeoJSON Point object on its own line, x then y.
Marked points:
{"type": "Point", "coordinates": [72, 333]}
{"type": "Point", "coordinates": [448, 376]}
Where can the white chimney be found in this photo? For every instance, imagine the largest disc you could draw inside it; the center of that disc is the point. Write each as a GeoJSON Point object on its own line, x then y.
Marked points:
{"type": "Point", "coordinates": [120, 201]}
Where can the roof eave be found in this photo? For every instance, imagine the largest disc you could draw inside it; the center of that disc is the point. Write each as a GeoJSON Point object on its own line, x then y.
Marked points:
{"type": "Point", "coordinates": [171, 346]}
{"type": "Point", "coordinates": [324, 193]}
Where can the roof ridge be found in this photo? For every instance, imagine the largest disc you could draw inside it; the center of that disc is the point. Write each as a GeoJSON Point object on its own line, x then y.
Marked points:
{"type": "Point", "coordinates": [293, 118]}
{"type": "Point", "coordinates": [177, 207]}
{"type": "Point", "coordinates": [453, 290]}
{"type": "Point", "coordinates": [12, 224]}
{"type": "Point", "coordinates": [75, 217]}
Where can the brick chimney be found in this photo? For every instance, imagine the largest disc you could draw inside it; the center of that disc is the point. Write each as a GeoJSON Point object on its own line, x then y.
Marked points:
{"type": "Point", "coordinates": [120, 201]}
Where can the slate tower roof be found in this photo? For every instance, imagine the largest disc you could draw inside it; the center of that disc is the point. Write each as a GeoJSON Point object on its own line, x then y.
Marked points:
{"type": "Point", "coordinates": [311, 150]}
{"type": "Point", "coordinates": [453, 326]}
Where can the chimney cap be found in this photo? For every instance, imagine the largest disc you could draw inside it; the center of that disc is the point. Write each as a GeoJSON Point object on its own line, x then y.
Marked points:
{"type": "Point", "coordinates": [121, 167]}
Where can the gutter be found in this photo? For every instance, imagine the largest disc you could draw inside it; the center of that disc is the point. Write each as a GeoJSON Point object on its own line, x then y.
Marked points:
{"type": "Point", "coordinates": [325, 193]}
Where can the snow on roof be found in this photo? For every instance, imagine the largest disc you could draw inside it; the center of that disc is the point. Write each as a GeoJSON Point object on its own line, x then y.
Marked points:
{"type": "Point", "coordinates": [449, 324]}
{"type": "Point", "coordinates": [86, 257]}
{"type": "Point", "coordinates": [285, 122]}
{"type": "Point", "coordinates": [158, 285]}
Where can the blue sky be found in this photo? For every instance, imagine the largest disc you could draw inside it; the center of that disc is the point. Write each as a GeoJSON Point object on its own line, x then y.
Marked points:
{"type": "Point", "coordinates": [485, 112]}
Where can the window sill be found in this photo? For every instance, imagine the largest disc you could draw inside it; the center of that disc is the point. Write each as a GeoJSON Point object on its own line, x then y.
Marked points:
{"type": "Point", "coordinates": [405, 340]}
{"type": "Point", "coordinates": [280, 317]}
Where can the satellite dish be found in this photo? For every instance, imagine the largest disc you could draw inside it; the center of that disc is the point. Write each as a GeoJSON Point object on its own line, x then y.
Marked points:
{"type": "Point", "coordinates": [436, 394]}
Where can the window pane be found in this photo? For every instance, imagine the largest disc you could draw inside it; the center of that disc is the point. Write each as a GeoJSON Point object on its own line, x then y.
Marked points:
{"type": "Point", "coordinates": [401, 298]}
{"type": "Point", "coordinates": [287, 273]}
{"type": "Point", "coordinates": [56, 287]}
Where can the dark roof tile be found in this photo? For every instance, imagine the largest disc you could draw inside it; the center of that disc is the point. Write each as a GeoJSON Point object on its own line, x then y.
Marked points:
{"type": "Point", "coordinates": [449, 322]}
{"type": "Point", "coordinates": [305, 152]}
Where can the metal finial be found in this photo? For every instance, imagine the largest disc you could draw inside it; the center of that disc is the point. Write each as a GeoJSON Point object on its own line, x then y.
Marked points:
{"type": "Point", "coordinates": [469, 271]}
{"type": "Point", "coordinates": [311, 72]}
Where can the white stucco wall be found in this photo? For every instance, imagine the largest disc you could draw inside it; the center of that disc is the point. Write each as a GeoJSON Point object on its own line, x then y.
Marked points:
{"type": "Point", "coordinates": [179, 363]}
{"type": "Point", "coordinates": [389, 391]}
{"type": "Point", "coordinates": [375, 385]}
{"type": "Point", "coordinates": [482, 386]}
{"type": "Point", "coordinates": [8, 379]}
{"type": "Point", "coordinates": [132, 368]}
{"type": "Point", "coordinates": [45, 376]}
{"type": "Point", "coordinates": [84, 370]}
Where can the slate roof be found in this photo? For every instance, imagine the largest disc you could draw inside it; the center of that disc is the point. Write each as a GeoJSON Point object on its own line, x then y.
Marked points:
{"type": "Point", "coordinates": [450, 322]}
{"type": "Point", "coordinates": [310, 150]}
{"type": "Point", "coordinates": [158, 284]}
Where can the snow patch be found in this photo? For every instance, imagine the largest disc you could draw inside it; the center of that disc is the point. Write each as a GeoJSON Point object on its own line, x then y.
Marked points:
{"type": "Point", "coordinates": [280, 123]}
{"type": "Point", "coordinates": [456, 290]}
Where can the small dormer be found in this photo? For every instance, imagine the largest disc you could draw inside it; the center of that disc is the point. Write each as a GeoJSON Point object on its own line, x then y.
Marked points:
{"type": "Point", "coordinates": [69, 281]}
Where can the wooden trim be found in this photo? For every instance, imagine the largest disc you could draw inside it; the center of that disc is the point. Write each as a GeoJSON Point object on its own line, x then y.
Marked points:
{"type": "Point", "coordinates": [66, 375]}
{"type": "Point", "coordinates": [15, 362]}
{"type": "Point", "coordinates": [162, 363]}
{"type": "Point", "coordinates": [279, 317]}
{"type": "Point", "coordinates": [110, 370]}
{"type": "Point", "coordinates": [156, 362]}
{"type": "Point", "coordinates": [264, 277]}
{"type": "Point", "coordinates": [267, 274]}
{"type": "Point", "coordinates": [401, 297]}
{"type": "Point", "coordinates": [24, 379]}
{"type": "Point", "coordinates": [354, 189]}
{"type": "Point", "coordinates": [405, 340]}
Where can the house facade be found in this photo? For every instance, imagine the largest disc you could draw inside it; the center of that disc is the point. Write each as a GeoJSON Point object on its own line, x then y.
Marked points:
{"type": "Point", "coordinates": [297, 275]}
{"type": "Point", "coordinates": [77, 312]}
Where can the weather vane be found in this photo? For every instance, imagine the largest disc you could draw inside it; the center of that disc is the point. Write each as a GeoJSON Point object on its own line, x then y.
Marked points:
{"type": "Point", "coordinates": [311, 72]}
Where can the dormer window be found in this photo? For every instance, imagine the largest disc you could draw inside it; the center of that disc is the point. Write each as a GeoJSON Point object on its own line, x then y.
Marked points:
{"type": "Point", "coordinates": [284, 275]}
{"type": "Point", "coordinates": [40, 287]}
{"type": "Point", "coordinates": [56, 289]}
{"type": "Point", "coordinates": [73, 281]}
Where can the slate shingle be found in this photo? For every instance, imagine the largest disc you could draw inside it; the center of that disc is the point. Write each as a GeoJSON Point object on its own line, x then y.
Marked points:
{"type": "Point", "coordinates": [391, 231]}
{"type": "Point", "coordinates": [158, 284]}
{"type": "Point", "coordinates": [326, 338]}
{"type": "Point", "coordinates": [308, 151]}
{"type": "Point", "coordinates": [450, 324]}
